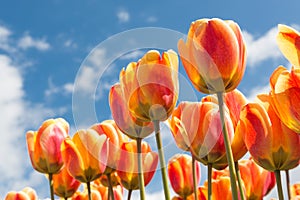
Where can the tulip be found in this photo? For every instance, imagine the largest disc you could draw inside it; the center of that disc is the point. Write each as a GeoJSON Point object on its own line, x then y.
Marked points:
{"type": "Point", "coordinates": [150, 90]}
{"type": "Point", "coordinates": [199, 126]}
{"type": "Point", "coordinates": [44, 145]}
{"type": "Point", "coordinates": [26, 194]}
{"type": "Point", "coordinates": [234, 101]}
{"type": "Point", "coordinates": [272, 145]}
{"type": "Point", "coordinates": [288, 40]}
{"type": "Point", "coordinates": [95, 195]}
{"type": "Point", "coordinates": [181, 175]}
{"type": "Point", "coordinates": [128, 167]}
{"type": "Point", "coordinates": [150, 86]}
{"type": "Point", "coordinates": [104, 191]}
{"type": "Point", "coordinates": [214, 55]}
{"type": "Point", "coordinates": [109, 129]}
{"type": "Point", "coordinates": [85, 155]}
{"type": "Point", "coordinates": [256, 188]}
{"type": "Point", "coordinates": [285, 92]}
{"type": "Point", "coordinates": [125, 121]}
{"type": "Point", "coordinates": [220, 188]}
{"type": "Point", "coordinates": [64, 184]}
{"type": "Point", "coordinates": [295, 191]}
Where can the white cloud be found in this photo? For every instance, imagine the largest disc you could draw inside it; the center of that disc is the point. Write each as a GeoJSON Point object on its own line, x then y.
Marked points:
{"type": "Point", "coordinates": [70, 44]}
{"type": "Point", "coordinates": [261, 48]}
{"type": "Point", "coordinates": [134, 55]}
{"type": "Point", "coordinates": [27, 42]}
{"type": "Point", "coordinates": [151, 19]}
{"type": "Point", "coordinates": [53, 89]}
{"type": "Point", "coordinates": [123, 16]}
{"type": "Point", "coordinates": [265, 89]}
{"type": "Point", "coordinates": [5, 34]}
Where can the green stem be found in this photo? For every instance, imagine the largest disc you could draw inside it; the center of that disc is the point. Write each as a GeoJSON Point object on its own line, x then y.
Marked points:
{"type": "Point", "coordinates": [209, 173]}
{"type": "Point", "coordinates": [229, 154]}
{"type": "Point", "coordinates": [161, 160]}
{"type": "Point", "coordinates": [88, 184]}
{"type": "Point", "coordinates": [194, 177]}
{"type": "Point", "coordinates": [110, 188]}
{"type": "Point", "coordinates": [129, 194]}
{"type": "Point", "coordinates": [287, 175]}
{"type": "Point", "coordinates": [51, 186]}
{"type": "Point", "coordinates": [239, 179]}
{"type": "Point", "coordinates": [140, 169]}
{"type": "Point", "coordinates": [66, 198]}
{"type": "Point", "coordinates": [279, 184]}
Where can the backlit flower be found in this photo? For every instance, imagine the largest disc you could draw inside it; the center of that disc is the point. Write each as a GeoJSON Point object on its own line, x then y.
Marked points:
{"type": "Point", "coordinates": [214, 55]}
{"type": "Point", "coordinates": [44, 145]}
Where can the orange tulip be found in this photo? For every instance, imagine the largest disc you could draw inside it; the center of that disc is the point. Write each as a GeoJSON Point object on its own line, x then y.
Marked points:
{"type": "Point", "coordinates": [103, 180]}
{"type": "Point", "coordinates": [214, 55]}
{"type": "Point", "coordinates": [288, 40]}
{"type": "Point", "coordinates": [95, 195]}
{"type": "Point", "coordinates": [116, 139]}
{"type": "Point", "coordinates": [127, 123]}
{"type": "Point", "coordinates": [234, 101]}
{"type": "Point", "coordinates": [26, 194]}
{"type": "Point", "coordinates": [128, 167]}
{"type": "Point", "coordinates": [150, 86]}
{"type": "Point", "coordinates": [85, 155]}
{"type": "Point", "coordinates": [64, 184]}
{"type": "Point", "coordinates": [220, 188]}
{"type": "Point", "coordinates": [272, 145]}
{"type": "Point", "coordinates": [256, 188]}
{"type": "Point", "coordinates": [285, 92]}
{"type": "Point", "coordinates": [295, 191]}
{"type": "Point", "coordinates": [181, 175]}
{"type": "Point", "coordinates": [44, 145]}
{"type": "Point", "coordinates": [197, 126]}
{"type": "Point", "coordinates": [103, 190]}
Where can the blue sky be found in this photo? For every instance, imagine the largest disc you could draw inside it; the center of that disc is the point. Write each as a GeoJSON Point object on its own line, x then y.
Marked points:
{"type": "Point", "coordinates": [45, 44]}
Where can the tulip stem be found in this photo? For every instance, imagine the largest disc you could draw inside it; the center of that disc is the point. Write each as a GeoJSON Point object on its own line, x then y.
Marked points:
{"type": "Point", "coordinates": [194, 177]}
{"type": "Point", "coordinates": [88, 184]}
{"type": "Point", "coordinates": [239, 179]}
{"type": "Point", "coordinates": [287, 174]}
{"type": "Point", "coordinates": [140, 169]}
{"type": "Point", "coordinates": [51, 186]}
{"type": "Point", "coordinates": [161, 159]}
{"type": "Point", "coordinates": [129, 194]}
{"type": "Point", "coordinates": [110, 187]}
{"type": "Point", "coordinates": [229, 154]}
{"type": "Point", "coordinates": [279, 184]}
{"type": "Point", "coordinates": [209, 173]}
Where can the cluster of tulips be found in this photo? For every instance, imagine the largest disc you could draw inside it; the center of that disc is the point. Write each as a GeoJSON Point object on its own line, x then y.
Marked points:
{"type": "Point", "coordinates": [217, 131]}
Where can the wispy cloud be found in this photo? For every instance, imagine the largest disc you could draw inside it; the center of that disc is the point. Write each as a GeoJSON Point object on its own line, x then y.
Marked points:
{"type": "Point", "coordinates": [261, 48]}
{"type": "Point", "coordinates": [27, 42]}
{"type": "Point", "coordinates": [134, 55]}
{"type": "Point", "coordinates": [123, 16]}
{"type": "Point", "coordinates": [151, 19]}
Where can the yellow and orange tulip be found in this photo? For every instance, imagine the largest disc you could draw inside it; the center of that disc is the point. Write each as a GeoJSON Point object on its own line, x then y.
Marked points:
{"type": "Point", "coordinates": [181, 175]}
{"type": "Point", "coordinates": [295, 191]}
{"type": "Point", "coordinates": [128, 167]}
{"type": "Point", "coordinates": [288, 40]}
{"type": "Point", "coordinates": [285, 92]}
{"type": "Point", "coordinates": [256, 188]}
{"type": "Point", "coordinates": [197, 126]}
{"type": "Point", "coordinates": [150, 86]}
{"type": "Point", "coordinates": [127, 123]}
{"type": "Point", "coordinates": [271, 144]}
{"type": "Point", "coordinates": [214, 55]}
{"type": "Point", "coordinates": [116, 139]}
{"type": "Point", "coordinates": [26, 194]}
{"type": "Point", "coordinates": [95, 195]}
{"type": "Point", "coordinates": [85, 155]}
{"type": "Point", "coordinates": [44, 145]}
{"type": "Point", "coordinates": [64, 185]}
{"type": "Point", "coordinates": [234, 101]}
{"type": "Point", "coordinates": [103, 190]}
